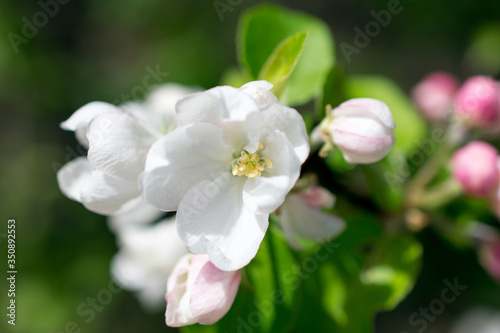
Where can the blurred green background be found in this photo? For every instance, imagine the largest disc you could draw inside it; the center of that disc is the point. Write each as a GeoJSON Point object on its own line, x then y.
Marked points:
{"type": "Point", "coordinates": [101, 50]}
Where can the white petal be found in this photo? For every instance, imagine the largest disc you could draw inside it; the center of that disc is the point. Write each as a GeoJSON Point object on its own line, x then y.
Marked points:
{"type": "Point", "coordinates": [297, 218]}
{"type": "Point", "coordinates": [260, 91]}
{"type": "Point", "coordinates": [212, 219]}
{"type": "Point", "coordinates": [118, 145]}
{"type": "Point", "coordinates": [197, 108]}
{"type": "Point", "coordinates": [361, 149]}
{"type": "Point", "coordinates": [257, 85]}
{"type": "Point", "coordinates": [106, 195]}
{"type": "Point", "coordinates": [149, 289]}
{"type": "Point", "coordinates": [316, 137]}
{"type": "Point", "coordinates": [141, 113]}
{"type": "Point", "coordinates": [146, 258]}
{"type": "Point", "coordinates": [178, 313]}
{"type": "Point", "coordinates": [141, 213]}
{"type": "Point", "coordinates": [236, 112]}
{"type": "Point", "coordinates": [290, 122]}
{"type": "Point", "coordinates": [81, 118]}
{"type": "Point", "coordinates": [266, 193]}
{"type": "Point", "coordinates": [361, 126]}
{"type": "Point", "coordinates": [156, 247]}
{"type": "Point", "coordinates": [73, 176]}
{"type": "Point", "coordinates": [182, 159]}
{"type": "Point", "coordinates": [162, 100]}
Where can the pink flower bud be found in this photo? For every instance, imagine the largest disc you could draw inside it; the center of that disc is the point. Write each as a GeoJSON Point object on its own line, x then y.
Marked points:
{"type": "Point", "coordinates": [301, 216]}
{"type": "Point", "coordinates": [475, 167]}
{"type": "Point", "coordinates": [490, 258]}
{"type": "Point", "coordinates": [362, 128]}
{"type": "Point", "coordinates": [199, 292]}
{"type": "Point", "coordinates": [477, 102]}
{"type": "Point", "coordinates": [434, 95]}
{"type": "Point", "coordinates": [317, 197]}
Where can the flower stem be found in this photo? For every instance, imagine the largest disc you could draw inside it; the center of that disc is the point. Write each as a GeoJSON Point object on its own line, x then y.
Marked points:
{"type": "Point", "coordinates": [440, 194]}
{"type": "Point", "coordinates": [416, 188]}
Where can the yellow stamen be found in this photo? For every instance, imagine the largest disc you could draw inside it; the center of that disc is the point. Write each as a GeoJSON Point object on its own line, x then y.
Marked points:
{"type": "Point", "coordinates": [251, 165]}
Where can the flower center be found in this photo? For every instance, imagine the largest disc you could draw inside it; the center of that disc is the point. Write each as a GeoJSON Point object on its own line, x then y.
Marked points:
{"type": "Point", "coordinates": [250, 165]}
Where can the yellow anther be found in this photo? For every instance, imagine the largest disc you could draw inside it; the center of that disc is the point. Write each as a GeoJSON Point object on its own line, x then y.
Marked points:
{"type": "Point", "coordinates": [250, 165]}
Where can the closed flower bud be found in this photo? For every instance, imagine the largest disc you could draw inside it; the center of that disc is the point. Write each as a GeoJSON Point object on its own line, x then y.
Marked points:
{"type": "Point", "coordinates": [362, 128]}
{"type": "Point", "coordinates": [490, 258]}
{"type": "Point", "coordinates": [199, 292]}
{"type": "Point", "coordinates": [477, 102]}
{"type": "Point", "coordinates": [434, 95]}
{"type": "Point", "coordinates": [475, 167]}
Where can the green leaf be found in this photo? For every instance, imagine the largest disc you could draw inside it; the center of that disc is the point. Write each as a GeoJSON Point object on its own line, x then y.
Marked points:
{"type": "Point", "coordinates": [233, 77]}
{"type": "Point", "coordinates": [334, 91]}
{"type": "Point", "coordinates": [336, 162]}
{"type": "Point", "coordinates": [410, 127]}
{"type": "Point", "coordinates": [484, 53]}
{"type": "Point", "coordinates": [386, 181]}
{"type": "Point", "coordinates": [369, 271]}
{"type": "Point", "coordinates": [263, 27]}
{"type": "Point", "coordinates": [334, 287]}
{"type": "Point", "coordinates": [281, 63]}
{"type": "Point", "coordinates": [271, 274]}
{"type": "Point", "coordinates": [395, 268]}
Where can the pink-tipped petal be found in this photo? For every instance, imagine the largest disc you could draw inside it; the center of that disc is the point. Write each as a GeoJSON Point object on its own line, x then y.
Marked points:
{"type": "Point", "coordinates": [213, 293]}
{"type": "Point", "coordinates": [362, 149]}
{"type": "Point", "coordinates": [317, 197]}
{"type": "Point", "coordinates": [366, 107]}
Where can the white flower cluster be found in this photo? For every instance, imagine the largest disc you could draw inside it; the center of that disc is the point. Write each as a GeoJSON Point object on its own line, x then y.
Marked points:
{"type": "Point", "coordinates": [223, 160]}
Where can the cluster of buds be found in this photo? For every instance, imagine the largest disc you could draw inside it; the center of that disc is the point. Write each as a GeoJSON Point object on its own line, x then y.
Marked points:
{"type": "Point", "coordinates": [476, 103]}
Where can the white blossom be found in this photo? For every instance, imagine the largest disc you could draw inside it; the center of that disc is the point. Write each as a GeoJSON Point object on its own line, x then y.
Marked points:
{"type": "Point", "coordinates": [118, 139]}
{"type": "Point", "coordinates": [230, 163]}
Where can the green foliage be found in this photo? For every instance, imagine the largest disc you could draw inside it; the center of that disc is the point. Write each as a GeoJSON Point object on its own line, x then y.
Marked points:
{"type": "Point", "coordinates": [282, 62]}
{"type": "Point", "coordinates": [263, 28]}
{"type": "Point", "coordinates": [334, 91]}
{"type": "Point", "coordinates": [339, 285]}
{"type": "Point", "coordinates": [384, 182]}
{"type": "Point", "coordinates": [369, 271]}
{"type": "Point", "coordinates": [484, 52]}
{"type": "Point", "coordinates": [100, 51]}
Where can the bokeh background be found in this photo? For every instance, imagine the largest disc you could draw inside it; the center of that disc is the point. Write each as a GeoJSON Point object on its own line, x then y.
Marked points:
{"type": "Point", "coordinates": [101, 50]}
